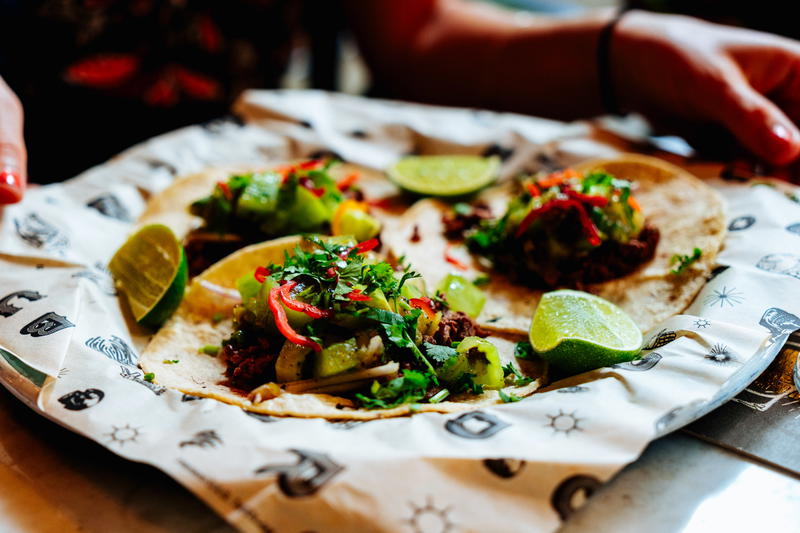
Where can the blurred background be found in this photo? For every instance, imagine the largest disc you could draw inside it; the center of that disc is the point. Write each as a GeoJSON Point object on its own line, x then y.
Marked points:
{"type": "Point", "coordinates": [97, 76]}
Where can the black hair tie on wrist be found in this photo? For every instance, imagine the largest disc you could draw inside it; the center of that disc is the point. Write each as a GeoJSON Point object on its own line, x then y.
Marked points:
{"type": "Point", "coordinates": [608, 95]}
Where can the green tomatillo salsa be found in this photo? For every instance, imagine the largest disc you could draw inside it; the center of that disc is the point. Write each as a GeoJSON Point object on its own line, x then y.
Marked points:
{"type": "Point", "coordinates": [252, 207]}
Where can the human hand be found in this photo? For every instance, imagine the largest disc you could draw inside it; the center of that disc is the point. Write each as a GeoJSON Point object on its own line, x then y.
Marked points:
{"type": "Point", "coordinates": [684, 74]}
{"type": "Point", "coordinates": [13, 157]}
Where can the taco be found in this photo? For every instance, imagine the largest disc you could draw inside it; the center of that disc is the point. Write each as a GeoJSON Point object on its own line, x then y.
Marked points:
{"type": "Point", "coordinates": [634, 230]}
{"type": "Point", "coordinates": [319, 327]}
{"type": "Point", "coordinates": [218, 211]}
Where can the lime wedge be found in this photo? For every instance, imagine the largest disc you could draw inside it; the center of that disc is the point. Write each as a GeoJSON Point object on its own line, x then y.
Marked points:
{"type": "Point", "coordinates": [150, 269]}
{"type": "Point", "coordinates": [575, 332]}
{"type": "Point", "coordinates": [444, 175]}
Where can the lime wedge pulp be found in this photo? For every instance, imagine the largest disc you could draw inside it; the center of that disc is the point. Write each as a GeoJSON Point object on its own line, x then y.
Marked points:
{"type": "Point", "coordinates": [444, 175]}
{"type": "Point", "coordinates": [575, 332]}
{"type": "Point", "coordinates": [150, 269]}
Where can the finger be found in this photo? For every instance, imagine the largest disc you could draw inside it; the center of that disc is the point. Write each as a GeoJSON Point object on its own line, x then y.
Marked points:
{"type": "Point", "coordinates": [757, 122]}
{"type": "Point", "coordinates": [13, 158]}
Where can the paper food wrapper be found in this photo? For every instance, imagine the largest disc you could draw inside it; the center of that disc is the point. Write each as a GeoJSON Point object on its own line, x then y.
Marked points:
{"type": "Point", "coordinates": [68, 351]}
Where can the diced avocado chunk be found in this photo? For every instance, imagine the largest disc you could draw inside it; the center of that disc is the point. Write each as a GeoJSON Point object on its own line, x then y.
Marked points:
{"type": "Point", "coordinates": [462, 295]}
{"type": "Point", "coordinates": [359, 224]}
{"type": "Point", "coordinates": [289, 366]}
{"type": "Point", "coordinates": [309, 212]}
{"type": "Point", "coordinates": [337, 358]}
{"type": "Point", "coordinates": [476, 356]}
{"type": "Point", "coordinates": [260, 197]}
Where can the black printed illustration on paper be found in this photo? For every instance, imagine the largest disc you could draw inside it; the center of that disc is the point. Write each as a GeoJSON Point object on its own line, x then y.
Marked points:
{"type": "Point", "coordinates": [504, 468]}
{"type": "Point", "coordinates": [100, 276]}
{"type": "Point", "coordinates": [114, 348]}
{"type": "Point", "coordinates": [741, 223]}
{"type": "Point", "coordinates": [203, 439]}
{"type": "Point", "coordinates": [109, 205]}
{"type": "Point", "coordinates": [639, 365]}
{"type": "Point", "coordinates": [786, 264]}
{"type": "Point", "coordinates": [475, 425]}
{"type": "Point", "coordinates": [7, 309]}
{"type": "Point", "coordinates": [81, 399]}
{"type": "Point", "coordinates": [305, 477]}
{"type": "Point", "coordinates": [47, 324]}
{"type": "Point", "coordinates": [137, 377]}
{"type": "Point", "coordinates": [430, 518]}
{"type": "Point", "coordinates": [39, 233]}
{"type": "Point", "coordinates": [568, 491]}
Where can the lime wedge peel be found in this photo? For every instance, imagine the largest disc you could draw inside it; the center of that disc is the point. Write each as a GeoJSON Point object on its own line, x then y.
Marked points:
{"type": "Point", "coordinates": [444, 175]}
{"type": "Point", "coordinates": [151, 271]}
{"type": "Point", "coordinates": [575, 332]}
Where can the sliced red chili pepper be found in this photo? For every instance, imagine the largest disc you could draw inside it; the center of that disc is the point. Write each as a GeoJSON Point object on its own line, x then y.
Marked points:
{"type": "Point", "coordinates": [596, 201]}
{"type": "Point", "coordinates": [225, 190]}
{"type": "Point", "coordinates": [310, 164]}
{"type": "Point", "coordinates": [357, 296]}
{"type": "Point", "coordinates": [533, 214]}
{"type": "Point", "coordinates": [383, 203]}
{"type": "Point", "coordinates": [453, 261]}
{"type": "Point", "coordinates": [368, 245]}
{"type": "Point", "coordinates": [261, 274]}
{"type": "Point", "coordinates": [533, 190]}
{"type": "Point", "coordinates": [425, 304]}
{"type": "Point", "coordinates": [282, 323]}
{"type": "Point", "coordinates": [347, 181]}
{"type": "Point", "coordinates": [589, 229]}
{"type": "Point", "coordinates": [302, 307]}
{"type": "Point", "coordinates": [331, 272]}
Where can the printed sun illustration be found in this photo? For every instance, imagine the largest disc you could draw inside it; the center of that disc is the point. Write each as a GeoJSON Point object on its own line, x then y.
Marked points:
{"type": "Point", "coordinates": [702, 323]}
{"type": "Point", "coordinates": [564, 423]}
{"type": "Point", "coordinates": [724, 297]}
{"type": "Point", "coordinates": [124, 434]}
{"type": "Point", "coordinates": [719, 354]}
{"type": "Point", "coordinates": [430, 519]}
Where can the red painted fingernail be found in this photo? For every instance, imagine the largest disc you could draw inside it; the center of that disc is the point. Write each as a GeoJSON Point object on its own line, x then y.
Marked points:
{"type": "Point", "coordinates": [782, 132]}
{"type": "Point", "coordinates": [10, 187]}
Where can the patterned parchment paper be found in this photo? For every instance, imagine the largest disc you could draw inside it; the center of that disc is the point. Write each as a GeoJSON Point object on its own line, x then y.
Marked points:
{"type": "Point", "coordinates": [67, 349]}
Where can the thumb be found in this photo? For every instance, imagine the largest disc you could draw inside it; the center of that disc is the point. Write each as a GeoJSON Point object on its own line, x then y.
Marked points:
{"type": "Point", "coordinates": [758, 123]}
{"type": "Point", "coordinates": [13, 158]}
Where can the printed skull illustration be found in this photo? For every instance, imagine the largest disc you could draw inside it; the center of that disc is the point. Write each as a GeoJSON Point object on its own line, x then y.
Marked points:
{"type": "Point", "coordinates": [39, 233]}
{"type": "Point", "coordinates": [786, 264]}
{"type": "Point", "coordinates": [81, 399]}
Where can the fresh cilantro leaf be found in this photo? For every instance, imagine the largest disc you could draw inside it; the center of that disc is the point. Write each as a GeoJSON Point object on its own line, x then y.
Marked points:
{"type": "Point", "coordinates": [466, 383]}
{"type": "Point", "coordinates": [523, 350]}
{"type": "Point", "coordinates": [438, 354]}
{"type": "Point", "coordinates": [170, 361]}
{"type": "Point", "coordinates": [411, 387]}
{"type": "Point", "coordinates": [518, 378]}
{"type": "Point", "coordinates": [149, 377]}
{"type": "Point", "coordinates": [684, 261]}
{"type": "Point", "coordinates": [508, 397]}
{"type": "Point", "coordinates": [482, 280]}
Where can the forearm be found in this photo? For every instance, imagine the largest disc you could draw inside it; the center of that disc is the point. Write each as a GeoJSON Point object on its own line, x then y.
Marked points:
{"type": "Point", "coordinates": [461, 53]}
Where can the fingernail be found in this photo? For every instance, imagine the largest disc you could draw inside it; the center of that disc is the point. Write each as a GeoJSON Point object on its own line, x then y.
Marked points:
{"type": "Point", "coordinates": [782, 132]}
{"type": "Point", "coordinates": [10, 187]}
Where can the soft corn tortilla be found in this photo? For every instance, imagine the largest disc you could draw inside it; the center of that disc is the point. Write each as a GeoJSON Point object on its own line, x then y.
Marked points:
{"type": "Point", "coordinates": [198, 374]}
{"type": "Point", "coordinates": [686, 211]}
